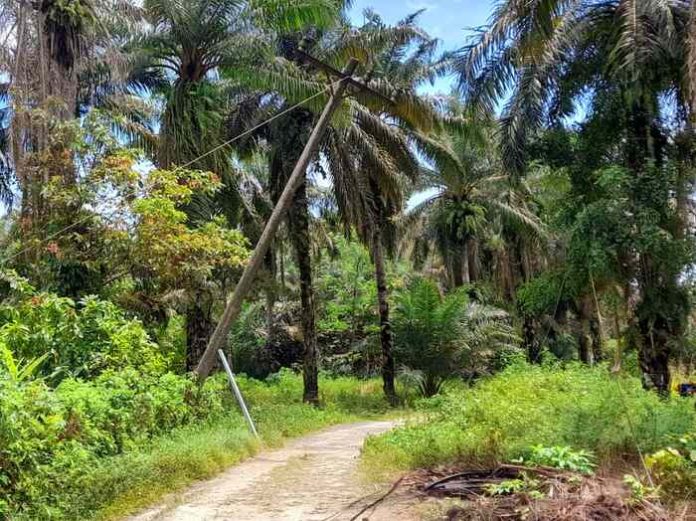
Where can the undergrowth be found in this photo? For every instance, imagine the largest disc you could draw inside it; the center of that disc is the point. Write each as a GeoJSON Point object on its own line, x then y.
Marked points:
{"type": "Point", "coordinates": [89, 478]}
{"type": "Point", "coordinates": [503, 417]}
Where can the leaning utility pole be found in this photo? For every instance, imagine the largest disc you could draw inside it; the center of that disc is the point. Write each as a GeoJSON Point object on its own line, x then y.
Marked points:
{"type": "Point", "coordinates": [234, 305]}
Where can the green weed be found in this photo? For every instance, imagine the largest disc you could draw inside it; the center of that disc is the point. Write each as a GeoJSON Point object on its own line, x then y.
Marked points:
{"type": "Point", "coordinates": [504, 416]}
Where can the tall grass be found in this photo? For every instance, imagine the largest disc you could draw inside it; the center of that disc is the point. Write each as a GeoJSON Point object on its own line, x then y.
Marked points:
{"type": "Point", "coordinates": [502, 417]}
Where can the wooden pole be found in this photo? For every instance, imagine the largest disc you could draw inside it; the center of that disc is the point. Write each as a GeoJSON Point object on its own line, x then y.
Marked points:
{"type": "Point", "coordinates": [234, 305]}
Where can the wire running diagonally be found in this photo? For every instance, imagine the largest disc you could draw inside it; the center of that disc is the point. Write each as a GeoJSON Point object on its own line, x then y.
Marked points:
{"type": "Point", "coordinates": [247, 132]}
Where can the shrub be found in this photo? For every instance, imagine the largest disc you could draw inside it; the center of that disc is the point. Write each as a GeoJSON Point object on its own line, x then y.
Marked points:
{"type": "Point", "coordinates": [50, 437]}
{"type": "Point", "coordinates": [439, 337]}
{"type": "Point", "coordinates": [498, 420]}
{"type": "Point", "coordinates": [78, 338]}
{"type": "Point", "coordinates": [565, 458]}
{"type": "Point", "coordinates": [673, 469]}
{"type": "Point", "coordinates": [125, 437]}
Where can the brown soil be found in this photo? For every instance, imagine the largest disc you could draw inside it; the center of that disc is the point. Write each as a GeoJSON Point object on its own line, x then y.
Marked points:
{"type": "Point", "coordinates": [567, 497]}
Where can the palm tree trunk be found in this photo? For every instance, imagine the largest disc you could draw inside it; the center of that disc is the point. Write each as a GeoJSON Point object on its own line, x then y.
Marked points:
{"type": "Point", "coordinates": [473, 261]}
{"type": "Point", "coordinates": [234, 305]}
{"type": "Point", "coordinates": [299, 233]}
{"type": "Point", "coordinates": [654, 355]}
{"type": "Point", "coordinates": [531, 340]}
{"type": "Point", "coordinates": [386, 337]}
{"type": "Point", "coordinates": [455, 268]}
{"type": "Point", "coordinates": [618, 354]}
{"type": "Point", "coordinates": [596, 326]}
{"type": "Point", "coordinates": [199, 329]}
{"type": "Point", "coordinates": [466, 272]}
{"type": "Point", "coordinates": [584, 351]}
{"type": "Point", "coordinates": [692, 59]}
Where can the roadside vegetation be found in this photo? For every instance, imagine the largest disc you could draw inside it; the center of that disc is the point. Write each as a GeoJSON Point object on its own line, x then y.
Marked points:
{"type": "Point", "coordinates": [504, 418]}
{"type": "Point", "coordinates": [512, 259]}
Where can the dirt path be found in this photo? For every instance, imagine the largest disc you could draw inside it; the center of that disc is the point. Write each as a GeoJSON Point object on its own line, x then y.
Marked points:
{"type": "Point", "coordinates": [311, 479]}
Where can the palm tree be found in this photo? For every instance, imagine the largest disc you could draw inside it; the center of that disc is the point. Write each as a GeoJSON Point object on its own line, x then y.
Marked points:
{"type": "Point", "coordinates": [47, 47]}
{"type": "Point", "coordinates": [364, 152]}
{"type": "Point", "coordinates": [620, 57]}
{"type": "Point", "coordinates": [470, 205]}
{"type": "Point", "coordinates": [369, 190]}
{"type": "Point", "coordinates": [439, 337]}
{"type": "Point", "coordinates": [190, 43]}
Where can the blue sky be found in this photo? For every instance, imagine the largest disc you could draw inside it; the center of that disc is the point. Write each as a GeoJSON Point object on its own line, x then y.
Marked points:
{"type": "Point", "coordinates": [450, 21]}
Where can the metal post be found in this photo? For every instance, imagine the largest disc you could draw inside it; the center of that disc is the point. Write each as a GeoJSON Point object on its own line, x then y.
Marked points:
{"type": "Point", "coordinates": [237, 392]}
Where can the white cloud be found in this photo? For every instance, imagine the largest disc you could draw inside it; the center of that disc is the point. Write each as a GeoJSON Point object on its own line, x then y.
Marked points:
{"type": "Point", "coordinates": [417, 5]}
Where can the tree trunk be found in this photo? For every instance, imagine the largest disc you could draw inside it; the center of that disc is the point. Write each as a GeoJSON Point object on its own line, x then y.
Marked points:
{"type": "Point", "coordinates": [691, 65]}
{"type": "Point", "coordinates": [618, 354]}
{"type": "Point", "coordinates": [473, 256]}
{"type": "Point", "coordinates": [456, 277]}
{"type": "Point", "coordinates": [270, 292]}
{"type": "Point", "coordinates": [459, 267]}
{"type": "Point", "coordinates": [299, 233]}
{"type": "Point", "coordinates": [531, 341]}
{"type": "Point", "coordinates": [597, 340]}
{"type": "Point", "coordinates": [596, 326]}
{"type": "Point", "coordinates": [584, 341]}
{"type": "Point", "coordinates": [199, 329]}
{"type": "Point", "coordinates": [466, 272]}
{"type": "Point", "coordinates": [653, 356]}
{"type": "Point", "coordinates": [386, 337]}
{"type": "Point", "coordinates": [234, 305]}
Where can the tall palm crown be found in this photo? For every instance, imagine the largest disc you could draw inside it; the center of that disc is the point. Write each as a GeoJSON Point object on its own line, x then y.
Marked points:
{"type": "Point", "coordinates": [189, 43]}
{"type": "Point", "coordinates": [548, 55]}
{"type": "Point", "coordinates": [371, 158]}
{"type": "Point", "coordinates": [471, 203]}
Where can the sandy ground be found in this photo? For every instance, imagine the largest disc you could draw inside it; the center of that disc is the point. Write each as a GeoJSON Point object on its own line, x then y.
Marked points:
{"type": "Point", "coordinates": [314, 478]}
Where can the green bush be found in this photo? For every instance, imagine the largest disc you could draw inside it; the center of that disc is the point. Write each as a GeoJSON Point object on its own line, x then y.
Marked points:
{"type": "Point", "coordinates": [50, 437]}
{"type": "Point", "coordinates": [673, 469]}
{"type": "Point", "coordinates": [565, 458]}
{"type": "Point", "coordinates": [440, 337]}
{"type": "Point", "coordinates": [525, 406]}
{"type": "Point", "coordinates": [78, 338]}
{"type": "Point", "coordinates": [125, 437]}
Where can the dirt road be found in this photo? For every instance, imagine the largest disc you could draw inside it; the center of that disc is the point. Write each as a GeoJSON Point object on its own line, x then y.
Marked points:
{"type": "Point", "coordinates": [311, 479]}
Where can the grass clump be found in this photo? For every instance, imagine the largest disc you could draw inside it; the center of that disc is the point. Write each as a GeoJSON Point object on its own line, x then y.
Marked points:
{"type": "Point", "coordinates": [503, 417]}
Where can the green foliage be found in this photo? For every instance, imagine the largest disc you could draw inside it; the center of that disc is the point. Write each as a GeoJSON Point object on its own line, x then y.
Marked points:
{"type": "Point", "coordinates": [66, 338]}
{"type": "Point", "coordinates": [526, 406]}
{"type": "Point", "coordinates": [540, 295]}
{"type": "Point", "coordinates": [507, 487]}
{"type": "Point", "coordinates": [125, 438]}
{"type": "Point", "coordinates": [525, 485]}
{"type": "Point", "coordinates": [440, 337]}
{"type": "Point", "coordinates": [639, 491]}
{"type": "Point", "coordinates": [565, 458]}
{"type": "Point", "coordinates": [673, 469]}
{"type": "Point", "coordinates": [49, 437]}
{"type": "Point", "coordinates": [347, 290]}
